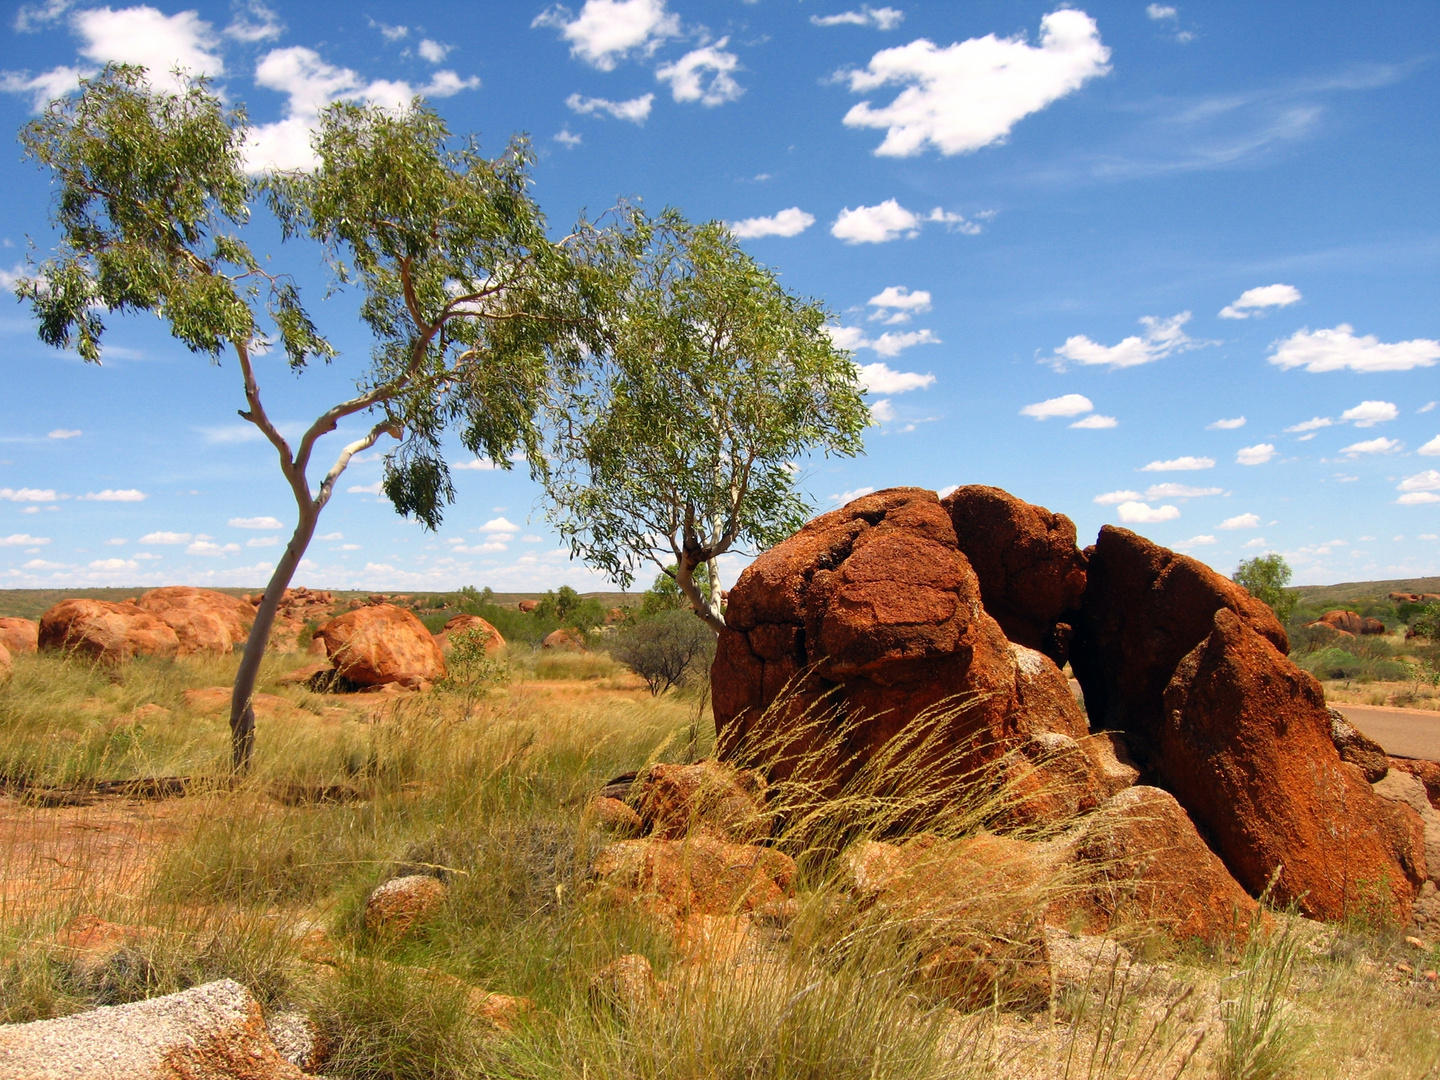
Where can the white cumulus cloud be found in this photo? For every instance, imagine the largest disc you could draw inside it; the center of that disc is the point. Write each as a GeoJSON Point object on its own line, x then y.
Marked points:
{"type": "Point", "coordinates": [1313, 424]}
{"type": "Point", "coordinates": [168, 538]}
{"type": "Point", "coordinates": [1258, 454]}
{"type": "Point", "coordinates": [23, 540]}
{"type": "Point", "coordinates": [115, 495]}
{"type": "Point", "coordinates": [970, 94]}
{"type": "Point", "coordinates": [1371, 446]}
{"type": "Point", "coordinates": [882, 411]}
{"type": "Point", "coordinates": [1431, 448]}
{"type": "Point", "coordinates": [1180, 464]}
{"type": "Point", "coordinates": [256, 523]}
{"type": "Point", "coordinates": [1429, 480]}
{"type": "Point", "coordinates": [1159, 12]}
{"type": "Point", "coordinates": [364, 489]}
{"type": "Point", "coordinates": [1339, 350]}
{"type": "Point", "coordinates": [208, 547]}
{"type": "Point", "coordinates": [791, 222]}
{"type": "Point", "coordinates": [1226, 425]}
{"type": "Point", "coordinates": [885, 18]}
{"type": "Point", "coordinates": [28, 494]}
{"type": "Point", "coordinates": [255, 22]}
{"type": "Point", "coordinates": [1196, 541]}
{"type": "Point", "coordinates": [65, 433]}
{"type": "Point", "coordinates": [704, 75]}
{"type": "Point", "coordinates": [897, 304]}
{"type": "Point", "coordinates": [889, 344]}
{"type": "Point", "coordinates": [1370, 413]}
{"type": "Point", "coordinates": [1096, 422]}
{"type": "Point", "coordinates": [889, 220]}
{"type": "Point", "coordinates": [636, 109]}
{"type": "Point", "coordinates": [1241, 521]}
{"type": "Point", "coordinates": [1113, 498]}
{"type": "Point", "coordinates": [879, 378]}
{"type": "Point", "coordinates": [1162, 337]}
{"type": "Point", "coordinates": [1253, 301]}
{"type": "Point", "coordinates": [1068, 405]}
{"type": "Point", "coordinates": [607, 31]}
{"type": "Point", "coordinates": [433, 51]}
{"type": "Point", "coordinates": [499, 525]}
{"type": "Point", "coordinates": [1139, 513]}
{"type": "Point", "coordinates": [1418, 498]}
{"type": "Point", "coordinates": [1179, 491]}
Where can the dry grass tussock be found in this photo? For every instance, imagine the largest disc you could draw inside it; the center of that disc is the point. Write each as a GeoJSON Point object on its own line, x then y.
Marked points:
{"type": "Point", "coordinates": [486, 788]}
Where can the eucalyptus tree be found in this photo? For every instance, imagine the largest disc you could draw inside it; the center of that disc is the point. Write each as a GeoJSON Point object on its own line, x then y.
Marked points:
{"type": "Point", "coordinates": [475, 313]}
{"type": "Point", "coordinates": [687, 432]}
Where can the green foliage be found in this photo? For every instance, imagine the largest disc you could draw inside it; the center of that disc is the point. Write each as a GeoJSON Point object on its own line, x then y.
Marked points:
{"type": "Point", "coordinates": [666, 648]}
{"type": "Point", "coordinates": [470, 667]}
{"type": "Point", "coordinates": [665, 595]}
{"type": "Point", "coordinates": [1427, 624]}
{"type": "Point", "coordinates": [1265, 577]}
{"type": "Point", "coordinates": [1262, 1040]}
{"type": "Point", "coordinates": [716, 381]}
{"type": "Point", "coordinates": [568, 608]}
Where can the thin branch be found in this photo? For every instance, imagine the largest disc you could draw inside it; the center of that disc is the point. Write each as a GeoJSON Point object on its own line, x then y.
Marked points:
{"type": "Point", "coordinates": [327, 487]}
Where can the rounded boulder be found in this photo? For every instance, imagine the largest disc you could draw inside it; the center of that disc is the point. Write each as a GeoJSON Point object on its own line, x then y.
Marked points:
{"type": "Point", "coordinates": [382, 644]}
{"type": "Point", "coordinates": [105, 631]}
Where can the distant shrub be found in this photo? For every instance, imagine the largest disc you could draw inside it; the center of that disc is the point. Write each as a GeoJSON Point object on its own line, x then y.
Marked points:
{"type": "Point", "coordinates": [1332, 663]}
{"type": "Point", "coordinates": [1427, 624]}
{"type": "Point", "coordinates": [664, 649]}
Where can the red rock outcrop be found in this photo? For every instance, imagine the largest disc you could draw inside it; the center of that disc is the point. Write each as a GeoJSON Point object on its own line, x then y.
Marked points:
{"type": "Point", "coordinates": [872, 616]}
{"type": "Point", "coordinates": [701, 875]}
{"type": "Point", "coordinates": [104, 631]}
{"type": "Point", "coordinates": [1369, 625]}
{"type": "Point", "coordinates": [471, 624]}
{"type": "Point", "coordinates": [5, 664]}
{"type": "Point", "coordinates": [203, 620]}
{"type": "Point", "coordinates": [19, 635]}
{"type": "Point", "coordinates": [1031, 572]}
{"type": "Point", "coordinates": [565, 639]}
{"type": "Point", "coordinates": [1140, 862]}
{"type": "Point", "coordinates": [1346, 621]}
{"type": "Point", "coordinates": [1144, 608]}
{"type": "Point", "coordinates": [673, 800]}
{"type": "Point", "coordinates": [1246, 748]}
{"type": "Point", "coordinates": [382, 644]}
{"type": "Point", "coordinates": [528, 605]}
{"type": "Point", "coordinates": [400, 904]}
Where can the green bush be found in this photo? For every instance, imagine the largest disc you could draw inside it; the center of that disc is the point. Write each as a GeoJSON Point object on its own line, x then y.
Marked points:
{"type": "Point", "coordinates": [1332, 663]}
{"type": "Point", "coordinates": [665, 649]}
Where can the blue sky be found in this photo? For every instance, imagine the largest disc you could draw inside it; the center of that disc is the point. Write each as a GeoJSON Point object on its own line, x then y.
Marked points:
{"type": "Point", "coordinates": [1167, 266]}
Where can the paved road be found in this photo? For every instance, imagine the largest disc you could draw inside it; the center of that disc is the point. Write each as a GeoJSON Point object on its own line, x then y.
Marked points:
{"type": "Point", "coordinates": [1413, 733]}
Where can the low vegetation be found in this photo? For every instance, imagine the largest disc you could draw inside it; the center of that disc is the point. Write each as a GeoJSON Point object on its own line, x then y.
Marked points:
{"type": "Point", "coordinates": [486, 786]}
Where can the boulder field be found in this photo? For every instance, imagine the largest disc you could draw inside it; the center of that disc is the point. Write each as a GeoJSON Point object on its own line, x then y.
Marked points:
{"type": "Point", "coordinates": [911, 644]}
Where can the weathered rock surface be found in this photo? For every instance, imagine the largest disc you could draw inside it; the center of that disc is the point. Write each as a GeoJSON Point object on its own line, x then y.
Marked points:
{"type": "Point", "coordinates": [1345, 621]}
{"type": "Point", "coordinates": [674, 800]}
{"type": "Point", "coordinates": [5, 664]}
{"type": "Point", "coordinates": [19, 635]}
{"type": "Point", "coordinates": [1139, 863]}
{"type": "Point", "coordinates": [104, 631]}
{"type": "Point", "coordinates": [382, 644]}
{"type": "Point", "coordinates": [210, 1032]}
{"type": "Point", "coordinates": [1030, 570]}
{"type": "Point", "coordinates": [1408, 790]}
{"type": "Point", "coordinates": [1246, 749]}
{"type": "Point", "coordinates": [1357, 748]}
{"type": "Point", "coordinates": [491, 640]}
{"type": "Point", "coordinates": [871, 616]}
{"type": "Point", "coordinates": [614, 815]}
{"type": "Point", "coordinates": [701, 875]}
{"type": "Point", "coordinates": [397, 906]}
{"type": "Point", "coordinates": [1427, 771]}
{"type": "Point", "coordinates": [627, 983]}
{"type": "Point", "coordinates": [1145, 607]}
{"type": "Point", "coordinates": [204, 620]}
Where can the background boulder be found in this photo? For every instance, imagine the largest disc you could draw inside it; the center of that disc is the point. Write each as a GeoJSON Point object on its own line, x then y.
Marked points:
{"type": "Point", "coordinates": [105, 631]}
{"type": "Point", "coordinates": [203, 620]}
{"type": "Point", "coordinates": [493, 641]}
{"type": "Point", "coordinates": [380, 644]}
{"type": "Point", "coordinates": [19, 635]}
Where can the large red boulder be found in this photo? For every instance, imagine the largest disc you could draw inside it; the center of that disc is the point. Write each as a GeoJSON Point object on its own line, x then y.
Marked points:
{"type": "Point", "coordinates": [1031, 572]}
{"type": "Point", "coordinates": [1145, 608]}
{"type": "Point", "coordinates": [489, 637]}
{"type": "Point", "coordinates": [19, 635]}
{"type": "Point", "coordinates": [869, 618]}
{"type": "Point", "coordinates": [204, 620]}
{"type": "Point", "coordinates": [382, 644]}
{"type": "Point", "coordinates": [105, 631]}
{"type": "Point", "coordinates": [1246, 748]}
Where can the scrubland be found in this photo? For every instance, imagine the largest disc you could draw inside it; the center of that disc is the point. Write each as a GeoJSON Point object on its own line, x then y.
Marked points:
{"type": "Point", "coordinates": [486, 785]}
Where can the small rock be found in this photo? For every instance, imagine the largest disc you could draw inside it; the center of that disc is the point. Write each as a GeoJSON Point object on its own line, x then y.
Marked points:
{"type": "Point", "coordinates": [402, 903]}
{"type": "Point", "coordinates": [565, 640]}
{"type": "Point", "coordinates": [501, 1010]}
{"type": "Point", "coordinates": [1404, 968]}
{"type": "Point", "coordinates": [614, 815]}
{"type": "Point", "coordinates": [298, 1039]}
{"type": "Point", "coordinates": [1415, 941]}
{"type": "Point", "coordinates": [628, 983]}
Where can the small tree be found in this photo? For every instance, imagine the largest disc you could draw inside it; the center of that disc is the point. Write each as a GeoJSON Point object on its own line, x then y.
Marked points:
{"type": "Point", "coordinates": [1265, 577]}
{"type": "Point", "coordinates": [474, 311]}
{"type": "Point", "coordinates": [662, 650]}
{"type": "Point", "coordinates": [665, 595]}
{"type": "Point", "coordinates": [718, 380]}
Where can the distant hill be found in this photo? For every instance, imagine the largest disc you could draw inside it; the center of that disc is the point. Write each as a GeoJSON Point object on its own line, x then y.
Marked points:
{"type": "Point", "coordinates": [32, 603]}
{"type": "Point", "coordinates": [1354, 592]}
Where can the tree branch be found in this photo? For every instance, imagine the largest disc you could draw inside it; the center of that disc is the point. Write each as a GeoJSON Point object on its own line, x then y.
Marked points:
{"type": "Point", "coordinates": [327, 486]}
